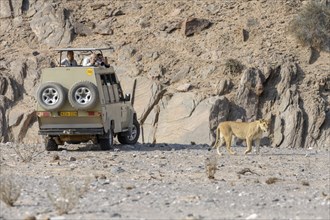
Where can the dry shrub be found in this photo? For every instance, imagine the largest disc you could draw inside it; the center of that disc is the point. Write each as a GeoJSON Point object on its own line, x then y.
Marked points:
{"type": "Point", "coordinates": [26, 152]}
{"type": "Point", "coordinates": [67, 195]}
{"type": "Point", "coordinates": [211, 166]}
{"type": "Point", "coordinates": [10, 190]}
{"type": "Point", "coordinates": [312, 26]}
{"type": "Point", "coordinates": [272, 180]}
{"type": "Point", "coordinates": [233, 66]}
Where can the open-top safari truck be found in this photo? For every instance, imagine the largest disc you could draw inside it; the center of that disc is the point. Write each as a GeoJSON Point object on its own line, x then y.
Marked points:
{"type": "Point", "coordinates": [82, 103]}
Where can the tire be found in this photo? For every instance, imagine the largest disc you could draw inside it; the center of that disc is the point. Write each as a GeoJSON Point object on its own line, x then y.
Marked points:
{"type": "Point", "coordinates": [130, 138]}
{"type": "Point", "coordinates": [106, 143]}
{"type": "Point", "coordinates": [83, 95]}
{"type": "Point", "coordinates": [51, 145]}
{"type": "Point", "coordinates": [51, 96]}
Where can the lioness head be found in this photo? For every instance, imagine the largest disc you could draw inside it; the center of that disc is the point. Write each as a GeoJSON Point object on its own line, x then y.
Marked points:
{"type": "Point", "coordinates": [264, 125]}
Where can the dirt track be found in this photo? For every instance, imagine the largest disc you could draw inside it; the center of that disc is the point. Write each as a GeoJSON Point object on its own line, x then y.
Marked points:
{"type": "Point", "coordinates": [170, 182]}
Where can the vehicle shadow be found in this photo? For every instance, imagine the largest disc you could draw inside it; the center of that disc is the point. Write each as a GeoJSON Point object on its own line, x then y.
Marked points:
{"type": "Point", "coordinates": [136, 147]}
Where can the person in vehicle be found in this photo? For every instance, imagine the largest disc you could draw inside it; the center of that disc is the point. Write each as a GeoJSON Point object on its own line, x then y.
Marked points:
{"type": "Point", "coordinates": [69, 60]}
{"type": "Point", "coordinates": [89, 61]}
{"type": "Point", "coordinates": [102, 61]}
{"type": "Point", "coordinates": [96, 60]}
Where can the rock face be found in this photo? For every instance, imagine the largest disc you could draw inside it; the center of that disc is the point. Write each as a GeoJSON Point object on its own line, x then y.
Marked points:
{"type": "Point", "coordinates": [182, 89]}
{"type": "Point", "coordinates": [290, 133]}
{"type": "Point", "coordinates": [52, 26]}
{"type": "Point", "coordinates": [247, 96]}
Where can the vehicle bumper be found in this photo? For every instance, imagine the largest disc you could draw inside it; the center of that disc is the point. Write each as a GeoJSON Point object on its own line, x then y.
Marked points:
{"type": "Point", "coordinates": [71, 131]}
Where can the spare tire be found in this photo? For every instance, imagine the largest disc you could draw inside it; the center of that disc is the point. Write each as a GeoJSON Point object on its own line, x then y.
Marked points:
{"type": "Point", "coordinates": [83, 95]}
{"type": "Point", "coordinates": [51, 96]}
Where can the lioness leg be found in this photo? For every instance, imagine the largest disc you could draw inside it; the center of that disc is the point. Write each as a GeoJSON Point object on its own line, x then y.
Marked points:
{"type": "Point", "coordinates": [220, 144]}
{"type": "Point", "coordinates": [257, 143]}
{"type": "Point", "coordinates": [228, 144]}
{"type": "Point", "coordinates": [248, 145]}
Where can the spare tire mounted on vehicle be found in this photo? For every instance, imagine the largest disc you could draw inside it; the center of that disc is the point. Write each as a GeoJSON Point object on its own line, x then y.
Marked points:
{"type": "Point", "coordinates": [51, 96]}
{"type": "Point", "coordinates": [83, 95]}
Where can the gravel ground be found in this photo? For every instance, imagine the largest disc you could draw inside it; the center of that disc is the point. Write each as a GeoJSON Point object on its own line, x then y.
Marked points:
{"type": "Point", "coordinates": [166, 182]}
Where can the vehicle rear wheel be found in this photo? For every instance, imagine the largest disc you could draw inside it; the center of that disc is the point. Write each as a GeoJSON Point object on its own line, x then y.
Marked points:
{"type": "Point", "coordinates": [83, 95]}
{"type": "Point", "coordinates": [130, 137]}
{"type": "Point", "coordinates": [51, 96]}
{"type": "Point", "coordinates": [106, 142]}
{"type": "Point", "coordinates": [50, 144]}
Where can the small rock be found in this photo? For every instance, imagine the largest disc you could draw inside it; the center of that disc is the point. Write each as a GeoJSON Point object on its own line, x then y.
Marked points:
{"type": "Point", "coordinates": [176, 12]}
{"type": "Point", "coordinates": [35, 53]}
{"type": "Point", "coordinates": [116, 215]}
{"type": "Point", "coordinates": [305, 183]}
{"type": "Point", "coordinates": [129, 187]}
{"type": "Point", "coordinates": [184, 87]}
{"type": "Point", "coordinates": [30, 217]}
{"type": "Point", "coordinates": [156, 72]}
{"type": "Point", "coordinates": [72, 159]}
{"type": "Point", "coordinates": [117, 170]}
{"type": "Point", "coordinates": [194, 25]}
{"type": "Point", "coordinates": [58, 218]}
{"type": "Point", "coordinates": [97, 6]}
{"type": "Point", "coordinates": [116, 12]}
{"type": "Point", "coordinates": [272, 180]}
{"type": "Point", "coordinates": [100, 176]}
{"type": "Point", "coordinates": [252, 216]}
{"type": "Point", "coordinates": [55, 157]}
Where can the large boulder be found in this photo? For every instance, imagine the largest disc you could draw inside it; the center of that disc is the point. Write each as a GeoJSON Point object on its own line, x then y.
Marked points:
{"type": "Point", "coordinates": [147, 94]}
{"type": "Point", "coordinates": [290, 119]}
{"type": "Point", "coordinates": [3, 85]}
{"type": "Point", "coordinates": [10, 9]}
{"type": "Point", "coordinates": [184, 119]}
{"type": "Point", "coordinates": [52, 26]}
{"type": "Point", "coordinates": [247, 94]}
{"type": "Point", "coordinates": [219, 112]}
{"type": "Point", "coordinates": [19, 122]}
{"type": "Point", "coordinates": [4, 104]}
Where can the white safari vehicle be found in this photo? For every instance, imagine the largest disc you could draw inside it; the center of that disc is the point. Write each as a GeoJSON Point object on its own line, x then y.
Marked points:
{"type": "Point", "coordinates": [82, 103]}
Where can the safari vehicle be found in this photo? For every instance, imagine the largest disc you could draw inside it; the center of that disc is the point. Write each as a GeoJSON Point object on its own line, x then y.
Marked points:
{"type": "Point", "coordinates": [78, 104]}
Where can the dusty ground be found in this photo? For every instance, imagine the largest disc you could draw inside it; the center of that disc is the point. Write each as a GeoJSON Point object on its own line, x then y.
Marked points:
{"type": "Point", "coordinates": [168, 182]}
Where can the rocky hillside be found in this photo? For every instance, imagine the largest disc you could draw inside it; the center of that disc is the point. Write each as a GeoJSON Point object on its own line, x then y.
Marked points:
{"type": "Point", "coordinates": [196, 62]}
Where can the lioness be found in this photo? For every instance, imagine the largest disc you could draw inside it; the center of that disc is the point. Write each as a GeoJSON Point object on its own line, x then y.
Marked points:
{"type": "Point", "coordinates": [243, 130]}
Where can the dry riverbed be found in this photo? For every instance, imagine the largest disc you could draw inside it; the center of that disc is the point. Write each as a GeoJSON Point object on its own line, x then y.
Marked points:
{"type": "Point", "coordinates": [164, 182]}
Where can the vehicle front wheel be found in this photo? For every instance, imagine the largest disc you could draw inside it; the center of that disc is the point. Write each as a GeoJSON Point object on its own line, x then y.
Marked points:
{"type": "Point", "coordinates": [130, 137]}
{"type": "Point", "coordinates": [50, 144]}
{"type": "Point", "coordinates": [106, 142]}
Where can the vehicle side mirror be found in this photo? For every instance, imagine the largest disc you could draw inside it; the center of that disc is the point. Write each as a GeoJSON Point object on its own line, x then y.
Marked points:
{"type": "Point", "coordinates": [127, 97]}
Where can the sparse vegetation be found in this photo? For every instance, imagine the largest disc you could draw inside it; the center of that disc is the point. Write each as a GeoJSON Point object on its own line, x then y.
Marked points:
{"type": "Point", "coordinates": [68, 195]}
{"type": "Point", "coordinates": [26, 152]}
{"type": "Point", "coordinates": [312, 26]}
{"type": "Point", "coordinates": [211, 167]}
{"type": "Point", "coordinates": [234, 66]}
{"type": "Point", "coordinates": [10, 190]}
{"type": "Point", "coordinates": [272, 180]}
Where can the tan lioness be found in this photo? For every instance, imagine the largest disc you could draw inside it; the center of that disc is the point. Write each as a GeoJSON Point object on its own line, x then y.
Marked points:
{"type": "Point", "coordinates": [249, 131]}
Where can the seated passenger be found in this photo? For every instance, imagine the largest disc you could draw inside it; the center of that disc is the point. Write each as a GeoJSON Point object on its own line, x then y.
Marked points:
{"type": "Point", "coordinates": [102, 61]}
{"type": "Point", "coordinates": [69, 60]}
{"type": "Point", "coordinates": [89, 61]}
{"type": "Point", "coordinates": [96, 60]}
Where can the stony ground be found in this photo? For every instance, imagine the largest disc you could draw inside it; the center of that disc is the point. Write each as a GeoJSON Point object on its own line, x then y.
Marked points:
{"type": "Point", "coordinates": [165, 182]}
